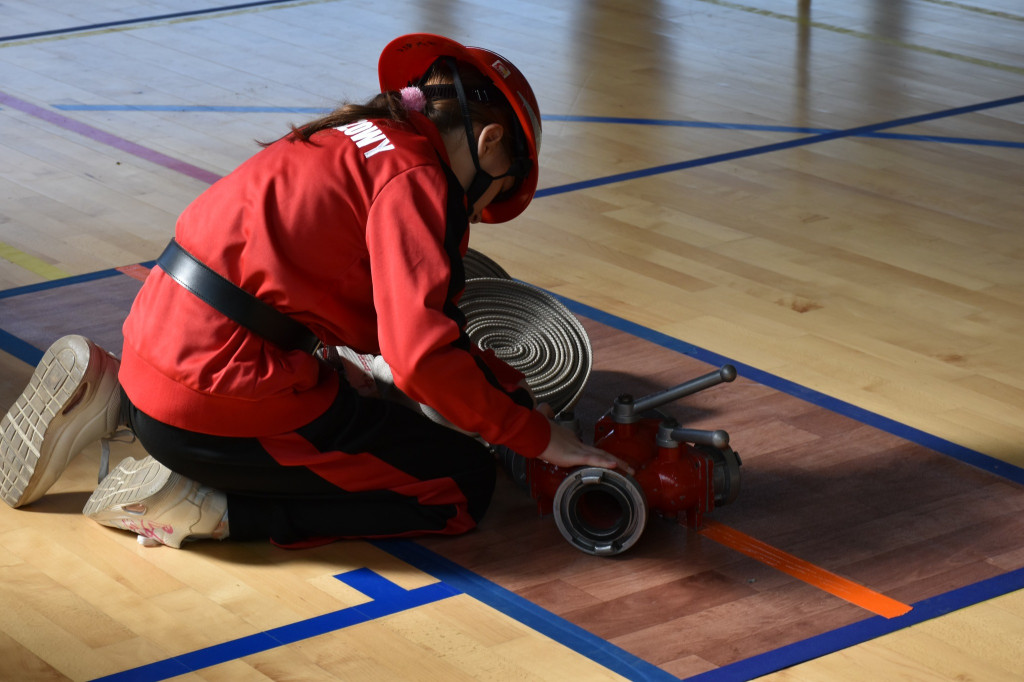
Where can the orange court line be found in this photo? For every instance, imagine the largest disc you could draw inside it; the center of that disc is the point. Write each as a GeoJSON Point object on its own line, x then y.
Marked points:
{"type": "Point", "coordinates": [804, 570]}
{"type": "Point", "coordinates": [139, 272]}
{"type": "Point", "coordinates": [741, 542]}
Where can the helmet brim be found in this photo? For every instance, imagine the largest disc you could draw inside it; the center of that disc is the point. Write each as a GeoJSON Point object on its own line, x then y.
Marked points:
{"type": "Point", "coordinates": [406, 58]}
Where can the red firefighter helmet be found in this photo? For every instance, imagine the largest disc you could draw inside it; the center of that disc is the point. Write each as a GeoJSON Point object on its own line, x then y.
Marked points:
{"type": "Point", "coordinates": [407, 58]}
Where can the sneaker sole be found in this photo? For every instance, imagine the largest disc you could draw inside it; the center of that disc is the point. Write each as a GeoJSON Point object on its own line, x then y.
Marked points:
{"type": "Point", "coordinates": [164, 494]}
{"type": "Point", "coordinates": [42, 432]}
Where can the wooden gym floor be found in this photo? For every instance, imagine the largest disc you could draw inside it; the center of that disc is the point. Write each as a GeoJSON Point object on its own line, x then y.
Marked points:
{"type": "Point", "coordinates": [827, 194]}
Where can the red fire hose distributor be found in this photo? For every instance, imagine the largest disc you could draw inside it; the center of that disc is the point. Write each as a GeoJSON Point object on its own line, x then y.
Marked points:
{"type": "Point", "coordinates": [679, 473]}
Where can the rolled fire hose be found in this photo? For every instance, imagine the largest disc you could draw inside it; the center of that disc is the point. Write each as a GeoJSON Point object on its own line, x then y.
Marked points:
{"type": "Point", "coordinates": [599, 511]}
{"type": "Point", "coordinates": [526, 327]}
{"type": "Point", "coordinates": [477, 265]}
{"type": "Point", "coordinates": [534, 333]}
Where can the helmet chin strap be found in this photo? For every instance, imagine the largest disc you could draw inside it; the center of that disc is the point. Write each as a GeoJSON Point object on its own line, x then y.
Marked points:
{"type": "Point", "coordinates": [481, 180]}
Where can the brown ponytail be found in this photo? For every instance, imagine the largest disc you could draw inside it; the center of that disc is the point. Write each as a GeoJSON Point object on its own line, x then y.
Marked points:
{"type": "Point", "coordinates": [386, 105]}
{"type": "Point", "coordinates": [443, 111]}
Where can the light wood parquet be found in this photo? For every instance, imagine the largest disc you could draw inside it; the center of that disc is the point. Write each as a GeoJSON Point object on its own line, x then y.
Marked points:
{"type": "Point", "coordinates": [842, 494]}
{"type": "Point", "coordinates": [883, 270]}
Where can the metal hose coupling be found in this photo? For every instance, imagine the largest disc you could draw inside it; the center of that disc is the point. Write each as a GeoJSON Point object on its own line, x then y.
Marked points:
{"type": "Point", "coordinates": [600, 511]}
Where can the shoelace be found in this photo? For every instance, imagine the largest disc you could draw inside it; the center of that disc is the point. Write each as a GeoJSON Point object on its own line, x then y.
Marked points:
{"type": "Point", "coordinates": [119, 436]}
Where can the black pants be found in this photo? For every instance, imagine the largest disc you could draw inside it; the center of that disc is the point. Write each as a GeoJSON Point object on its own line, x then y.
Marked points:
{"type": "Point", "coordinates": [364, 468]}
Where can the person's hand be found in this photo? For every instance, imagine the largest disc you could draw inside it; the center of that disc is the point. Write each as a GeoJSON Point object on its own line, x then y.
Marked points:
{"type": "Point", "coordinates": [567, 451]}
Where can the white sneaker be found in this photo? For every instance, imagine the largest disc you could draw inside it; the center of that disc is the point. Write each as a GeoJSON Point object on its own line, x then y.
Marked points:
{"type": "Point", "coordinates": [72, 399]}
{"type": "Point", "coordinates": [146, 498]}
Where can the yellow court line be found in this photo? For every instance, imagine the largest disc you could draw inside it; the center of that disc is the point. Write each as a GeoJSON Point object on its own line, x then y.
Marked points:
{"type": "Point", "coordinates": [31, 263]}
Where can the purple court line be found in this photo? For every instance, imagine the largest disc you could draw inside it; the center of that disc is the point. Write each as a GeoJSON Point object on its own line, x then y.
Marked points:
{"type": "Point", "coordinates": [106, 138]}
{"type": "Point", "coordinates": [209, 177]}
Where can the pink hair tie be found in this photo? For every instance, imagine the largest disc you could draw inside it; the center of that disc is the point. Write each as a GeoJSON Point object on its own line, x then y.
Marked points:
{"type": "Point", "coordinates": [413, 99]}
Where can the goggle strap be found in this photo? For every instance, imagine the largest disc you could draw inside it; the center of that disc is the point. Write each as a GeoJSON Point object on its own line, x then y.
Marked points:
{"type": "Point", "coordinates": [482, 180]}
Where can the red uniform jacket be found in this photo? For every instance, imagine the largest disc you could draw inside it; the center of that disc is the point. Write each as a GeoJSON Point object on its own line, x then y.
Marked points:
{"type": "Point", "coordinates": [359, 234]}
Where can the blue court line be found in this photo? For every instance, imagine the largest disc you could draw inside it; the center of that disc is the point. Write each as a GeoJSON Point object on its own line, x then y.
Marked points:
{"type": "Point", "coordinates": [386, 599]}
{"type": "Point", "coordinates": [872, 419]}
{"type": "Point", "coordinates": [526, 612]}
{"type": "Point", "coordinates": [461, 580]}
{"type": "Point", "coordinates": [140, 20]}
{"type": "Point", "coordinates": [778, 129]}
{"type": "Point", "coordinates": [26, 352]}
{"type": "Point", "coordinates": [778, 146]}
{"type": "Point", "coordinates": [596, 648]}
{"type": "Point", "coordinates": [872, 129]}
{"type": "Point", "coordinates": [782, 129]}
{"type": "Point", "coordinates": [633, 668]}
{"type": "Point", "coordinates": [31, 356]}
{"type": "Point", "coordinates": [863, 631]}
{"type": "Point", "coordinates": [58, 283]}
{"type": "Point", "coordinates": [539, 618]}
{"type": "Point", "coordinates": [226, 109]}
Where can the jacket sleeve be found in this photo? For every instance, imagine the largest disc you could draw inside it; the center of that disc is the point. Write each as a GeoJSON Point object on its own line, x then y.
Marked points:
{"type": "Point", "coordinates": [509, 377]}
{"type": "Point", "coordinates": [413, 240]}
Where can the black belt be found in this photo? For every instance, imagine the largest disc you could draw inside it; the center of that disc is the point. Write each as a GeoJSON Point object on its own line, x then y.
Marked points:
{"type": "Point", "coordinates": [236, 303]}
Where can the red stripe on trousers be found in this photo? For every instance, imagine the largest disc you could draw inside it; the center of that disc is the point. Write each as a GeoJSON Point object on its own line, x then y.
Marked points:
{"type": "Point", "coordinates": [364, 472]}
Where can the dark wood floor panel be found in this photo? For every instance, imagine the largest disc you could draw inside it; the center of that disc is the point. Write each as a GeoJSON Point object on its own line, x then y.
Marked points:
{"type": "Point", "coordinates": [886, 513]}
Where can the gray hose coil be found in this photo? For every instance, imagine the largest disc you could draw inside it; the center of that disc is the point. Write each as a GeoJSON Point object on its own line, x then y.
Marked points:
{"type": "Point", "coordinates": [534, 333]}
{"type": "Point", "coordinates": [479, 265]}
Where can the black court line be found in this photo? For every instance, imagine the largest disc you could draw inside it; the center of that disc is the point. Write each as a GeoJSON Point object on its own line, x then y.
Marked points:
{"type": "Point", "coordinates": [139, 20]}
